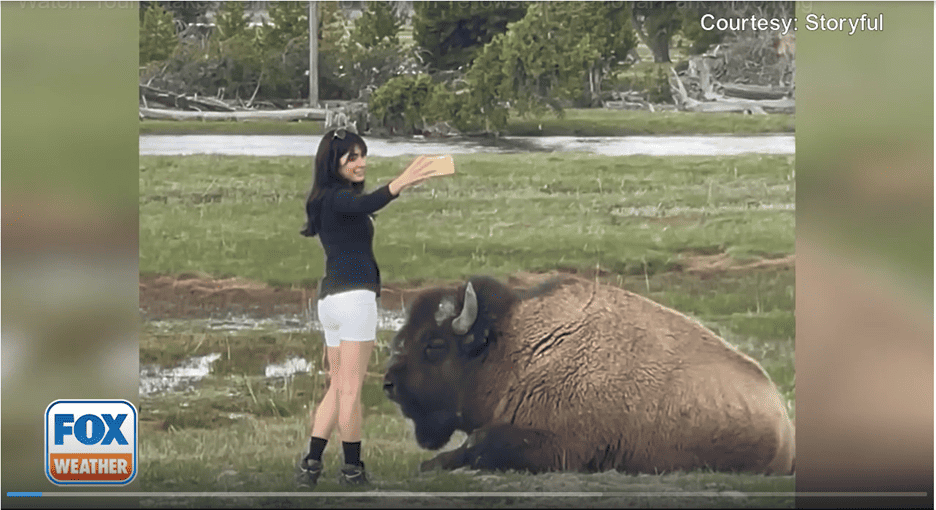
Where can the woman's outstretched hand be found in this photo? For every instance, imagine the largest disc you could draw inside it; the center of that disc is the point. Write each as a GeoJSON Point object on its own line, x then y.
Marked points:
{"type": "Point", "coordinates": [418, 171]}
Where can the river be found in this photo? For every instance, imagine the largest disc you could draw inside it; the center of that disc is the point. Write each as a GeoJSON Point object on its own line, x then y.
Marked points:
{"type": "Point", "coordinates": [295, 145]}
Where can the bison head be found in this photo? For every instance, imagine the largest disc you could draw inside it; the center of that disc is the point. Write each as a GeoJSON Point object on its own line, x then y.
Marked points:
{"type": "Point", "coordinates": [434, 367]}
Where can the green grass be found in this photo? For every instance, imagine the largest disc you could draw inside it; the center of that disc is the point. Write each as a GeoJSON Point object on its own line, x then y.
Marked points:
{"type": "Point", "coordinates": [236, 431]}
{"type": "Point", "coordinates": [257, 451]}
{"type": "Point", "coordinates": [575, 122]}
{"type": "Point", "coordinates": [602, 122]}
{"type": "Point", "coordinates": [638, 219]}
{"type": "Point", "coordinates": [240, 216]}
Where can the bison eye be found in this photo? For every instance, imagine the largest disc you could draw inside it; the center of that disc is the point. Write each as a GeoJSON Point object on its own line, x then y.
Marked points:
{"type": "Point", "coordinates": [436, 349]}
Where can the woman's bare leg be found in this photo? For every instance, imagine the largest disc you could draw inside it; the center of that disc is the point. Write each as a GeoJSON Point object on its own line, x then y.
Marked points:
{"type": "Point", "coordinates": [325, 416]}
{"type": "Point", "coordinates": [351, 374]}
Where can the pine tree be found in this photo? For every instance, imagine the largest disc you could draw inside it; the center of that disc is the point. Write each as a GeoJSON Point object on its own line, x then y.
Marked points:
{"type": "Point", "coordinates": [158, 39]}
{"type": "Point", "coordinates": [377, 22]}
{"type": "Point", "coordinates": [231, 21]}
{"type": "Point", "coordinates": [290, 22]}
{"type": "Point", "coordinates": [452, 34]}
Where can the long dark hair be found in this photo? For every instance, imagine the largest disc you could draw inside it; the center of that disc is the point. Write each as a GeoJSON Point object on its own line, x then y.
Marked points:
{"type": "Point", "coordinates": [334, 145]}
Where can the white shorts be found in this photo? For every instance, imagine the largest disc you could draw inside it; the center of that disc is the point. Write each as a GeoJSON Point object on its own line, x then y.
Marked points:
{"type": "Point", "coordinates": [350, 315]}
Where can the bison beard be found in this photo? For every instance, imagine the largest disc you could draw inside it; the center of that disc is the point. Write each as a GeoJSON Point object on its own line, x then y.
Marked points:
{"type": "Point", "coordinates": [572, 375]}
{"type": "Point", "coordinates": [433, 428]}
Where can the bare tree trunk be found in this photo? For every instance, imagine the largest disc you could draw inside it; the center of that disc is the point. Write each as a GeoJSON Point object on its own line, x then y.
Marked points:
{"type": "Point", "coordinates": [660, 46]}
{"type": "Point", "coordinates": [595, 80]}
{"type": "Point", "coordinates": [634, 55]}
{"type": "Point", "coordinates": [657, 42]}
{"type": "Point", "coordinates": [259, 80]}
{"type": "Point", "coordinates": [637, 23]}
{"type": "Point", "coordinates": [313, 55]}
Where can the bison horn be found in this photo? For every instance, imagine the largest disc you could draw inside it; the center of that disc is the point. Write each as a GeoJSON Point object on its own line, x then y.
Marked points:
{"type": "Point", "coordinates": [462, 323]}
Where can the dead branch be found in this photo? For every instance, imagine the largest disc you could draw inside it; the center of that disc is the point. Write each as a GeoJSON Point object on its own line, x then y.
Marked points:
{"type": "Point", "coordinates": [259, 80]}
{"type": "Point", "coordinates": [172, 100]}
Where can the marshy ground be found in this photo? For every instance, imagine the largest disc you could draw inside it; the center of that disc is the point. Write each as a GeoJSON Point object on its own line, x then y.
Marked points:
{"type": "Point", "coordinates": [237, 428]}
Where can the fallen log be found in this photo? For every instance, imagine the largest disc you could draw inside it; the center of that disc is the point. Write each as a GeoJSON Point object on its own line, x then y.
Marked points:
{"type": "Point", "coordinates": [319, 114]}
{"type": "Point", "coordinates": [209, 103]}
{"type": "Point", "coordinates": [172, 100]}
{"type": "Point", "coordinates": [626, 105]}
{"type": "Point", "coordinates": [756, 92]}
{"type": "Point", "coordinates": [740, 106]}
{"type": "Point", "coordinates": [717, 103]}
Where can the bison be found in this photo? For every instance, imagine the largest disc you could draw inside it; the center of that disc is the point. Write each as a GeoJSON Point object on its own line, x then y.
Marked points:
{"type": "Point", "coordinates": [572, 375]}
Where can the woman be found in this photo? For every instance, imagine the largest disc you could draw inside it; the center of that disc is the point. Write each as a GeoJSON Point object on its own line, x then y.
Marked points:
{"type": "Point", "coordinates": [339, 212]}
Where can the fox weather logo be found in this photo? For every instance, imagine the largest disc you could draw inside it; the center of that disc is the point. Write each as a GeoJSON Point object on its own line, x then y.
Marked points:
{"type": "Point", "coordinates": [91, 442]}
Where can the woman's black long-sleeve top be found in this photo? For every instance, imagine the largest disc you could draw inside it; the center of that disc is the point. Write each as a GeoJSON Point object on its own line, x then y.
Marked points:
{"type": "Point", "coordinates": [347, 235]}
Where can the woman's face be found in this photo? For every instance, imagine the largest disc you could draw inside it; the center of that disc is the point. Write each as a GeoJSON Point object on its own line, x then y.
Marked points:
{"type": "Point", "coordinates": [353, 165]}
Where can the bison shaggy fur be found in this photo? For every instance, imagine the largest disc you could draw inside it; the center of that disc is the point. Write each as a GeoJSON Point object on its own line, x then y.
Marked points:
{"type": "Point", "coordinates": [579, 376]}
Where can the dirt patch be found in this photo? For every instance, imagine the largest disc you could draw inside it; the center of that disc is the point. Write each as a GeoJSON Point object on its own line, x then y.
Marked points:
{"type": "Point", "coordinates": [198, 296]}
{"type": "Point", "coordinates": [190, 296]}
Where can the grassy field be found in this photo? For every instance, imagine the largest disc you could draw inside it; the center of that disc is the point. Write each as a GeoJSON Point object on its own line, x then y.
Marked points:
{"type": "Point", "coordinates": [576, 122]}
{"type": "Point", "coordinates": [643, 221]}
{"type": "Point", "coordinates": [240, 216]}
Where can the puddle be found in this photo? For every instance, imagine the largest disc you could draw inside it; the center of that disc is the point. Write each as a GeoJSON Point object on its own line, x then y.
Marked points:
{"type": "Point", "coordinates": [387, 320]}
{"type": "Point", "coordinates": [288, 368]}
{"type": "Point", "coordinates": [154, 379]}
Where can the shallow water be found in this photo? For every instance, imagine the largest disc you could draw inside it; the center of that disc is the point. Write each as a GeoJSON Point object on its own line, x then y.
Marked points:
{"type": "Point", "coordinates": [155, 380]}
{"type": "Point", "coordinates": [387, 320]}
{"type": "Point", "coordinates": [293, 365]}
{"type": "Point", "coordinates": [295, 145]}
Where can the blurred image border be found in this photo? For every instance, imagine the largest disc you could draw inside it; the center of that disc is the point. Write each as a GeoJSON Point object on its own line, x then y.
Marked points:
{"type": "Point", "coordinates": [864, 133]}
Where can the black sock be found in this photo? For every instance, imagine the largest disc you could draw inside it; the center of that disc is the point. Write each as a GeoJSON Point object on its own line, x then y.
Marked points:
{"type": "Point", "coordinates": [352, 453]}
{"type": "Point", "coordinates": [316, 447]}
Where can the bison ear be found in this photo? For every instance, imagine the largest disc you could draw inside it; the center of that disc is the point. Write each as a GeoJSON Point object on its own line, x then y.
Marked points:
{"type": "Point", "coordinates": [446, 309]}
{"type": "Point", "coordinates": [472, 346]}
